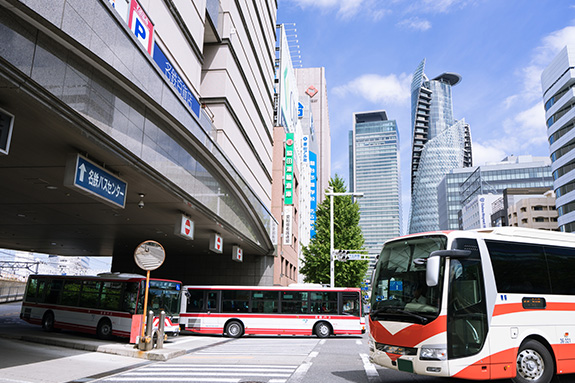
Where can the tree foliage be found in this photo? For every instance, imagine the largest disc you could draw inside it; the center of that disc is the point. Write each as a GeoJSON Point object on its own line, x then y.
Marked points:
{"type": "Point", "coordinates": [347, 236]}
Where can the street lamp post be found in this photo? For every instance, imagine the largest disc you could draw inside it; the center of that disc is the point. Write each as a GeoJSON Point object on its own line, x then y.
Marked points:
{"type": "Point", "coordinates": [331, 249]}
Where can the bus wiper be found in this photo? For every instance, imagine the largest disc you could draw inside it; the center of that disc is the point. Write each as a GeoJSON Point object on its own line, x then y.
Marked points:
{"type": "Point", "coordinates": [412, 314]}
{"type": "Point", "coordinates": [396, 312]}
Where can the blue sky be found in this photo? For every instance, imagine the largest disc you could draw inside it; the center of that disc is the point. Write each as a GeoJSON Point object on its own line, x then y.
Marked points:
{"type": "Point", "coordinates": [370, 49]}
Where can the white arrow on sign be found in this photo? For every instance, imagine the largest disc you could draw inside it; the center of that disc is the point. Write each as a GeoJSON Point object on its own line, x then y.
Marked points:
{"type": "Point", "coordinates": [82, 171]}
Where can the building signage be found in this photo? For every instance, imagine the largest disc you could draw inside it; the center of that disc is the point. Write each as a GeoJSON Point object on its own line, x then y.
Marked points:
{"type": "Point", "coordinates": [305, 147]}
{"type": "Point", "coordinates": [91, 179]}
{"type": "Point", "coordinates": [176, 80]}
{"type": "Point", "coordinates": [216, 243]}
{"type": "Point", "coordinates": [288, 218]}
{"type": "Point", "coordinates": [6, 126]}
{"type": "Point", "coordinates": [121, 6]}
{"type": "Point", "coordinates": [288, 170]}
{"type": "Point", "coordinates": [141, 26]}
{"type": "Point", "coordinates": [313, 192]}
{"type": "Point", "coordinates": [185, 227]}
{"type": "Point", "coordinates": [237, 254]}
{"type": "Point", "coordinates": [274, 232]}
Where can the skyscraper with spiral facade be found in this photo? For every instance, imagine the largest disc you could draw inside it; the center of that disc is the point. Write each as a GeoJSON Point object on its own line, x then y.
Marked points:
{"type": "Point", "coordinates": [439, 144]}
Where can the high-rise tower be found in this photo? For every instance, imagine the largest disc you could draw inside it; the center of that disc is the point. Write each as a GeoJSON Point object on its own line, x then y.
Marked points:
{"type": "Point", "coordinates": [557, 81]}
{"type": "Point", "coordinates": [440, 143]}
{"type": "Point", "coordinates": [374, 171]}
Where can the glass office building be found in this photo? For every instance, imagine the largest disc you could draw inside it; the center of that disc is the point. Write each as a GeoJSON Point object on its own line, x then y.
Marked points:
{"type": "Point", "coordinates": [558, 85]}
{"type": "Point", "coordinates": [374, 171]}
{"type": "Point", "coordinates": [440, 144]}
{"type": "Point", "coordinates": [460, 186]}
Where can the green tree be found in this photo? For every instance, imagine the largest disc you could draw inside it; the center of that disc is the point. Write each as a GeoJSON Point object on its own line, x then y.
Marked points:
{"type": "Point", "coordinates": [347, 236]}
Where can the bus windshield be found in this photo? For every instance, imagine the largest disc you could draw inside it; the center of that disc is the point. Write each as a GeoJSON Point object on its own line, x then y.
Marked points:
{"type": "Point", "coordinates": [399, 289]}
{"type": "Point", "coordinates": [165, 296]}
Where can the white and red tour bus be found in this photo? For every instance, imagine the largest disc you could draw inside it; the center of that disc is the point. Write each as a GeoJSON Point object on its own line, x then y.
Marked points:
{"type": "Point", "coordinates": [256, 310]}
{"type": "Point", "coordinates": [496, 303]}
{"type": "Point", "coordinates": [109, 304]}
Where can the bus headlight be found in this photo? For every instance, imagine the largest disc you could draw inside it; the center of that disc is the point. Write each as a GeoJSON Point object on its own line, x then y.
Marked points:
{"type": "Point", "coordinates": [433, 353]}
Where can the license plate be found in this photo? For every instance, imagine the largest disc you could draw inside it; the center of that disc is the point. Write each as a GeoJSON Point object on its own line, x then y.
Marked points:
{"type": "Point", "coordinates": [405, 365]}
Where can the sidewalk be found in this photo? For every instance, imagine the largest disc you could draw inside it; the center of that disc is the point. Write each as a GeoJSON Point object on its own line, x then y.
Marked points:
{"type": "Point", "coordinates": [173, 348]}
{"type": "Point", "coordinates": [12, 327]}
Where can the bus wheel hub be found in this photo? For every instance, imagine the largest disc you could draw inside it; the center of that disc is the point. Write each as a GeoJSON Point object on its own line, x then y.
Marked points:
{"type": "Point", "coordinates": [530, 364]}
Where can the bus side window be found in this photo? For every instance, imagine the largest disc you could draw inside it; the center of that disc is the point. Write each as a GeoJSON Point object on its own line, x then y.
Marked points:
{"type": "Point", "coordinates": [53, 293]}
{"type": "Point", "coordinates": [32, 290]}
{"type": "Point", "coordinates": [130, 297]}
{"type": "Point", "coordinates": [195, 301]}
{"type": "Point", "coordinates": [350, 304]}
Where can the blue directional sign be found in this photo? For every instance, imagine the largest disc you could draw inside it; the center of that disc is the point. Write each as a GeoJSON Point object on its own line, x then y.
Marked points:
{"type": "Point", "coordinates": [89, 178]}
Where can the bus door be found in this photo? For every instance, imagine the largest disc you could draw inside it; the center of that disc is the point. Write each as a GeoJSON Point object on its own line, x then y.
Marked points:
{"type": "Point", "coordinates": [203, 303]}
{"type": "Point", "coordinates": [467, 324]}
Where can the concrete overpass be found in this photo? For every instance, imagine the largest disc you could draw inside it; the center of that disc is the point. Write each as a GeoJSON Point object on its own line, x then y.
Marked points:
{"type": "Point", "coordinates": [71, 94]}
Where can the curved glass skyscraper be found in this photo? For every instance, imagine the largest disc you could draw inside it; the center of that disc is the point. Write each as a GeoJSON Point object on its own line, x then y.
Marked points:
{"type": "Point", "coordinates": [558, 83]}
{"type": "Point", "coordinates": [440, 144]}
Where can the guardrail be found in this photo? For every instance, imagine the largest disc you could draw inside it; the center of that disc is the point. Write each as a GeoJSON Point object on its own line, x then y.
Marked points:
{"type": "Point", "coordinates": [11, 291]}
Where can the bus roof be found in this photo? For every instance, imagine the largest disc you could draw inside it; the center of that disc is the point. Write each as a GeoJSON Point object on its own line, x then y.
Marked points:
{"type": "Point", "coordinates": [301, 287]}
{"type": "Point", "coordinates": [103, 277]}
{"type": "Point", "coordinates": [511, 232]}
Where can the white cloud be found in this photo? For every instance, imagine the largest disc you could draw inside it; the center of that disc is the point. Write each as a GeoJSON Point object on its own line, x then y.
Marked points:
{"type": "Point", "coordinates": [346, 9]}
{"type": "Point", "coordinates": [522, 134]}
{"type": "Point", "coordinates": [415, 23]}
{"type": "Point", "coordinates": [527, 127]}
{"type": "Point", "coordinates": [391, 89]}
{"type": "Point", "coordinates": [487, 152]}
{"type": "Point", "coordinates": [436, 6]}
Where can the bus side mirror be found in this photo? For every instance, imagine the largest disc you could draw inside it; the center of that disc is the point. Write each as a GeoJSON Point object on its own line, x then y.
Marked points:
{"type": "Point", "coordinates": [432, 271]}
{"type": "Point", "coordinates": [434, 262]}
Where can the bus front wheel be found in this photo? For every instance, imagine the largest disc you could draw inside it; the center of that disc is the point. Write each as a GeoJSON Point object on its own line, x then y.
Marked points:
{"type": "Point", "coordinates": [48, 321]}
{"type": "Point", "coordinates": [322, 330]}
{"type": "Point", "coordinates": [534, 363]}
{"type": "Point", "coordinates": [104, 329]}
{"type": "Point", "coordinates": [234, 329]}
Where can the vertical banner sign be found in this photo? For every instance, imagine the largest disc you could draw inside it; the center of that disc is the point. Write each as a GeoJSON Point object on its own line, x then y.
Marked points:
{"type": "Point", "coordinates": [288, 217]}
{"type": "Point", "coordinates": [216, 243]}
{"type": "Point", "coordinates": [141, 26]}
{"type": "Point", "coordinates": [288, 173]}
{"type": "Point", "coordinates": [185, 227]}
{"type": "Point", "coordinates": [6, 127]}
{"type": "Point", "coordinates": [237, 254]}
{"type": "Point", "coordinates": [313, 192]}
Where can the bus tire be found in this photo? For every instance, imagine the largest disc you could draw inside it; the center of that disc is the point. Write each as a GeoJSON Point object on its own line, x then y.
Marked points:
{"type": "Point", "coordinates": [48, 321]}
{"type": "Point", "coordinates": [234, 329]}
{"type": "Point", "coordinates": [534, 363]}
{"type": "Point", "coordinates": [322, 330]}
{"type": "Point", "coordinates": [104, 329]}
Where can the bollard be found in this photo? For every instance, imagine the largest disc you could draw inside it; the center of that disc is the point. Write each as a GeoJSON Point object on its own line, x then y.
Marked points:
{"type": "Point", "coordinates": [146, 344]}
{"type": "Point", "coordinates": [160, 334]}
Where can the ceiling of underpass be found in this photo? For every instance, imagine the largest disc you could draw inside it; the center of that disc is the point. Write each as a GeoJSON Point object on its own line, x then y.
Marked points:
{"type": "Point", "coordinates": [39, 214]}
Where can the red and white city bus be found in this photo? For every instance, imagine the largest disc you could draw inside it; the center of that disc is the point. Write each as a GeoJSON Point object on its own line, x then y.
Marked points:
{"type": "Point", "coordinates": [493, 303]}
{"type": "Point", "coordinates": [107, 305]}
{"type": "Point", "coordinates": [256, 310]}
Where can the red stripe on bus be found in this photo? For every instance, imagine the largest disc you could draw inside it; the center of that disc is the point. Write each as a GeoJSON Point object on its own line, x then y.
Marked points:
{"type": "Point", "coordinates": [497, 366]}
{"type": "Point", "coordinates": [565, 357]}
{"type": "Point", "coordinates": [512, 308]}
{"type": "Point", "coordinates": [411, 335]}
{"type": "Point", "coordinates": [269, 316]}
{"type": "Point", "coordinates": [79, 310]}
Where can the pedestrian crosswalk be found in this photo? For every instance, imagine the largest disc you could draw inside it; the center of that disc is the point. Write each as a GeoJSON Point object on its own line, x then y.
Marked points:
{"type": "Point", "coordinates": [263, 346]}
{"type": "Point", "coordinates": [216, 373]}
